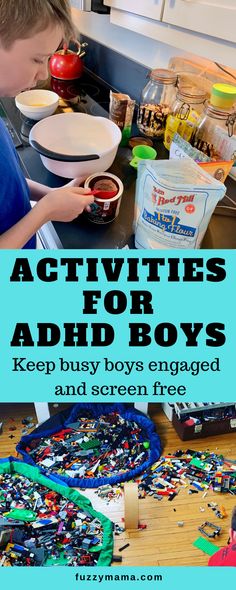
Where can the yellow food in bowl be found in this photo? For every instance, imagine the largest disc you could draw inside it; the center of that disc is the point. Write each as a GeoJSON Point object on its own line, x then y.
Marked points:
{"type": "Point", "coordinates": [39, 104]}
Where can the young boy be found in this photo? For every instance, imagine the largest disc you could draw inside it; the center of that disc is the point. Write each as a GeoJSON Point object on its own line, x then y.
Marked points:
{"type": "Point", "coordinates": [227, 555]}
{"type": "Point", "coordinates": [30, 31]}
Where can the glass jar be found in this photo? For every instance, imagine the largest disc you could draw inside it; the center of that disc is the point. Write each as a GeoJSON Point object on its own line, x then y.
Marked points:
{"type": "Point", "coordinates": [214, 132]}
{"type": "Point", "coordinates": [186, 111]}
{"type": "Point", "coordinates": [156, 100]}
{"type": "Point", "coordinates": [189, 103]}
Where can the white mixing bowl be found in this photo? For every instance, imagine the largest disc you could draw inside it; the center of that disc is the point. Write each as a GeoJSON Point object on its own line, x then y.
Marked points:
{"type": "Point", "coordinates": [37, 104]}
{"type": "Point", "coordinates": [76, 145]}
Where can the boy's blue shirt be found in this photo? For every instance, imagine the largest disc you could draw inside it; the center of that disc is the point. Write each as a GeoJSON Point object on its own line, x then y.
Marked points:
{"type": "Point", "coordinates": [14, 191]}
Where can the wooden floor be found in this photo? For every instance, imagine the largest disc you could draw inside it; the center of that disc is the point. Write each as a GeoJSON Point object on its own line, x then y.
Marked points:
{"type": "Point", "coordinates": [162, 543]}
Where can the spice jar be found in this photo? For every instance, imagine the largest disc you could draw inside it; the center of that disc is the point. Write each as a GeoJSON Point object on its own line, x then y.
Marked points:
{"type": "Point", "coordinates": [214, 132]}
{"type": "Point", "coordinates": [156, 101]}
{"type": "Point", "coordinates": [186, 111]}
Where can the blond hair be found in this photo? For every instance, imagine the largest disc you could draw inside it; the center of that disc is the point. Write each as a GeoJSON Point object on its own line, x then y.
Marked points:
{"type": "Point", "coordinates": [21, 19]}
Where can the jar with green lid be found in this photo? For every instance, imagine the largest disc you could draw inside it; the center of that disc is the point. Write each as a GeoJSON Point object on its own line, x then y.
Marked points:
{"type": "Point", "coordinates": [216, 128]}
{"type": "Point", "coordinates": [185, 114]}
{"type": "Point", "coordinates": [156, 102]}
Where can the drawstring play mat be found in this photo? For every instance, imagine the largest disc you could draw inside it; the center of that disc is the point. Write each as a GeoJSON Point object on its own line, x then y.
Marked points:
{"type": "Point", "coordinates": [93, 445]}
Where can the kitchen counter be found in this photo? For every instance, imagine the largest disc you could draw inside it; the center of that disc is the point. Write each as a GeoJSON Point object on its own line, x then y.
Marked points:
{"type": "Point", "coordinates": [81, 233]}
{"type": "Point", "coordinates": [221, 232]}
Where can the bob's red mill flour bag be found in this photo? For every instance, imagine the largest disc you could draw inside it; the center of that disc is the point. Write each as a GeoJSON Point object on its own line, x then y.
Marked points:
{"type": "Point", "coordinates": [173, 204]}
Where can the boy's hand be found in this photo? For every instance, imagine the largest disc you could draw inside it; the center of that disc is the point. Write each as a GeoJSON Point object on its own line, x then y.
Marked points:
{"type": "Point", "coordinates": [65, 204]}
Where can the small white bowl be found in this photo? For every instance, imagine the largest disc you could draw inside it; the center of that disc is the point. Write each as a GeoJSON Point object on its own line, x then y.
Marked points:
{"type": "Point", "coordinates": [37, 104]}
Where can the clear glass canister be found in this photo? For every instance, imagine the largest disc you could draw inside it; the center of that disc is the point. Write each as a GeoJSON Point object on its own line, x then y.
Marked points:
{"type": "Point", "coordinates": [156, 101]}
{"type": "Point", "coordinates": [189, 103]}
{"type": "Point", "coordinates": [214, 132]}
{"type": "Point", "coordinates": [185, 114]}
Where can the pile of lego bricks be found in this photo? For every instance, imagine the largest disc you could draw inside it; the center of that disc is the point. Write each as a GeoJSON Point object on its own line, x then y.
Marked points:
{"type": "Point", "coordinates": [95, 448]}
{"type": "Point", "coordinates": [198, 470]}
{"type": "Point", "coordinates": [44, 523]}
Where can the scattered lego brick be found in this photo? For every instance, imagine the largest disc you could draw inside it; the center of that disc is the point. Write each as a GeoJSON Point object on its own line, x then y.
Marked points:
{"type": "Point", "coordinates": [124, 547]}
{"type": "Point", "coordinates": [205, 546]}
{"type": "Point", "coordinates": [210, 530]}
{"type": "Point", "coordinates": [219, 512]}
{"type": "Point", "coordinates": [197, 470]}
{"type": "Point", "coordinates": [91, 448]}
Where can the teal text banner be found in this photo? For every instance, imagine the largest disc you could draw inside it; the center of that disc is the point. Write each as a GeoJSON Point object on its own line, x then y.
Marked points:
{"type": "Point", "coordinates": [117, 326]}
{"type": "Point", "coordinates": [151, 578]}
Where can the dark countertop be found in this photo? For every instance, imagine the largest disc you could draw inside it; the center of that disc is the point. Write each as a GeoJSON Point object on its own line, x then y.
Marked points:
{"type": "Point", "coordinates": [221, 232]}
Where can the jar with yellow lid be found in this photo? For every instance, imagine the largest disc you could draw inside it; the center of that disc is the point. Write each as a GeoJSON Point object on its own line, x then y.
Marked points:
{"type": "Point", "coordinates": [186, 111]}
{"type": "Point", "coordinates": [156, 102]}
{"type": "Point", "coordinates": [223, 96]}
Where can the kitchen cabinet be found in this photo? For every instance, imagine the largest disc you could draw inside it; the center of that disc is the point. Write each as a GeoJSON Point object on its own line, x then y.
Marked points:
{"type": "Point", "coordinates": [204, 27]}
{"type": "Point", "coordinates": [149, 8]}
{"type": "Point", "coordinates": [216, 18]}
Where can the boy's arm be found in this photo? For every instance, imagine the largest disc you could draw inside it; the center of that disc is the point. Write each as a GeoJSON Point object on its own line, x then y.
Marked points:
{"type": "Point", "coordinates": [20, 233]}
{"type": "Point", "coordinates": [38, 190]}
{"type": "Point", "coordinates": [58, 205]}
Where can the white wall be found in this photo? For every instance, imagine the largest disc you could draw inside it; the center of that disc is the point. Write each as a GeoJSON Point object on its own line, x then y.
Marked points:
{"type": "Point", "coordinates": [148, 52]}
